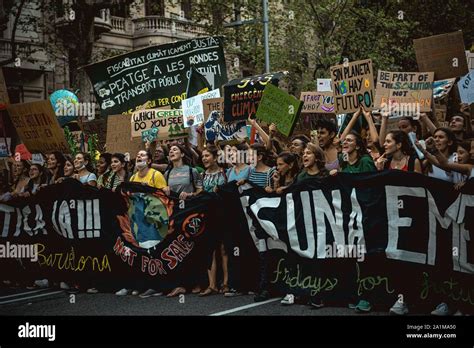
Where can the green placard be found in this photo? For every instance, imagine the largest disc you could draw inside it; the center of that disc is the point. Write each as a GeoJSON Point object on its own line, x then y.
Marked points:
{"type": "Point", "coordinates": [280, 108]}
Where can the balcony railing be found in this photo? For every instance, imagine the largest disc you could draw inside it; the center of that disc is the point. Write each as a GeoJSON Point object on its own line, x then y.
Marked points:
{"type": "Point", "coordinates": [155, 25]}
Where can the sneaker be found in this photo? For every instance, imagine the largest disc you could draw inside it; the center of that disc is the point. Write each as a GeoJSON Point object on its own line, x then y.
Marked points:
{"type": "Point", "coordinates": [262, 296]}
{"type": "Point", "coordinates": [316, 303]}
{"type": "Point", "coordinates": [63, 286]}
{"type": "Point", "coordinates": [158, 293]}
{"type": "Point", "coordinates": [363, 306]}
{"type": "Point", "coordinates": [92, 291]}
{"type": "Point", "coordinates": [135, 292]}
{"type": "Point", "coordinates": [441, 310]}
{"type": "Point", "coordinates": [123, 292]}
{"type": "Point", "coordinates": [399, 308]}
{"type": "Point", "coordinates": [288, 300]}
{"type": "Point", "coordinates": [43, 283]}
{"type": "Point", "coordinates": [148, 293]}
{"type": "Point", "coordinates": [232, 293]}
{"type": "Point", "coordinates": [251, 293]}
{"type": "Point", "coordinates": [352, 306]}
{"type": "Point", "coordinates": [458, 313]}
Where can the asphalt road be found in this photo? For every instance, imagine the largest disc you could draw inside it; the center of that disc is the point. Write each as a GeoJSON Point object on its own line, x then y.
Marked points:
{"type": "Point", "coordinates": [53, 302]}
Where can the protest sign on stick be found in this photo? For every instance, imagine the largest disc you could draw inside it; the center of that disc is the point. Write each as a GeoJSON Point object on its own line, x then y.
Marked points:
{"type": "Point", "coordinates": [280, 108]}
{"type": "Point", "coordinates": [466, 88]}
{"type": "Point", "coordinates": [242, 96]}
{"type": "Point", "coordinates": [38, 127]}
{"type": "Point", "coordinates": [169, 124]}
{"type": "Point", "coordinates": [193, 112]}
{"type": "Point", "coordinates": [444, 54]}
{"type": "Point", "coordinates": [404, 91]}
{"type": "Point", "coordinates": [353, 86]}
{"type": "Point", "coordinates": [317, 102]}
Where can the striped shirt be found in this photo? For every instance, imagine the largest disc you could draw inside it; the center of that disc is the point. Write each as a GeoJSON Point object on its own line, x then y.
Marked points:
{"type": "Point", "coordinates": [262, 179]}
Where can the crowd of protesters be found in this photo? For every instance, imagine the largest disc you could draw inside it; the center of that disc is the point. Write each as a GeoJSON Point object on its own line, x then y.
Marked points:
{"type": "Point", "coordinates": [274, 164]}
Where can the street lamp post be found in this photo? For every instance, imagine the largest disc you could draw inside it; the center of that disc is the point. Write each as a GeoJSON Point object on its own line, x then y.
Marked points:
{"type": "Point", "coordinates": [265, 36]}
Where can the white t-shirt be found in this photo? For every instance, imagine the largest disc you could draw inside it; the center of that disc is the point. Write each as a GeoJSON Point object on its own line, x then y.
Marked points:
{"type": "Point", "coordinates": [441, 174]}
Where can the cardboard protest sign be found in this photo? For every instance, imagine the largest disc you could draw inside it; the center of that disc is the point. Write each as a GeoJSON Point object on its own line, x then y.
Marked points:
{"type": "Point", "coordinates": [169, 123]}
{"type": "Point", "coordinates": [404, 90]}
{"type": "Point", "coordinates": [193, 112]}
{"type": "Point", "coordinates": [466, 88]}
{"type": "Point", "coordinates": [5, 144]}
{"type": "Point", "coordinates": [317, 102]}
{"type": "Point", "coordinates": [118, 136]}
{"type": "Point", "coordinates": [155, 76]}
{"type": "Point", "coordinates": [213, 104]}
{"type": "Point", "coordinates": [242, 96]}
{"type": "Point", "coordinates": [353, 86]}
{"type": "Point", "coordinates": [323, 85]}
{"type": "Point", "coordinates": [444, 54]}
{"type": "Point", "coordinates": [38, 127]}
{"type": "Point", "coordinates": [4, 99]}
{"type": "Point", "coordinates": [280, 108]}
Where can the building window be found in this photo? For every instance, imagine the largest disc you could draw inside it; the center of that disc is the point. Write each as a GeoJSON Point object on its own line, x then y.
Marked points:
{"type": "Point", "coordinates": [186, 8]}
{"type": "Point", "coordinates": [155, 8]}
{"type": "Point", "coordinates": [119, 9]}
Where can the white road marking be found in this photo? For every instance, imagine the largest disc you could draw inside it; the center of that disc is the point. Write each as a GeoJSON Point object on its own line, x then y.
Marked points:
{"type": "Point", "coordinates": [29, 297]}
{"type": "Point", "coordinates": [23, 293]}
{"type": "Point", "coordinates": [233, 310]}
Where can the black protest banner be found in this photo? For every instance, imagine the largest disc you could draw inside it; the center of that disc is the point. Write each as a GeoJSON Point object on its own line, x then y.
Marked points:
{"type": "Point", "coordinates": [155, 76]}
{"type": "Point", "coordinates": [242, 96]}
{"type": "Point", "coordinates": [353, 86]}
{"type": "Point", "coordinates": [374, 236]}
{"type": "Point", "coordinates": [92, 236]}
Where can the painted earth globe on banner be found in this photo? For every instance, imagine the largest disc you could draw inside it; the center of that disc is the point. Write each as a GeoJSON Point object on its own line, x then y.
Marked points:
{"type": "Point", "coordinates": [64, 103]}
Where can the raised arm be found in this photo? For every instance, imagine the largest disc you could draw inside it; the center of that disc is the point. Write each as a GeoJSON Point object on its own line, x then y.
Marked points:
{"type": "Point", "coordinates": [383, 128]}
{"type": "Point", "coordinates": [351, 124]}
{"type": "Point", "coordinates": [260, 131]}
{"type": "Point", "coordinates": [430, 126]}
{"type": "Point", "coordinates": [374, 135]}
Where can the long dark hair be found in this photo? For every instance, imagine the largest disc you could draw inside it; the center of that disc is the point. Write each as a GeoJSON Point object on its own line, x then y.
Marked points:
{"type": "Point", "coordinates": [87, 158]}
{"type": "Point", "coordinates": [61, 160]}
{"type": "Point", "coordinates": [451, 137]}
{"type": "Point", "coordinates": [359, 143]}
{"type": "Point", "coordinates": [400, 137]}
{"type": "Point", "coordinates": [121, 158]}
{"type": "Point", "coordinates": [43, 177]}
{"type": "Point", "coordinates": [319, 157]}
{"type": "Point", "coordinates": [289, 158]}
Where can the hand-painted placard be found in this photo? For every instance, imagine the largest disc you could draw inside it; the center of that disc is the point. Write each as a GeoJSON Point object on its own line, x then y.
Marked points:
{"type": "Point", "coordinates": [168, 122]}
{"type": "Point", "coordinates": [38, 127]}
{"type": "Point", "coordinates": [280, 108]}
{"type": "Point", "coordinates": [317, 102]}
{"type": "Point", "coordinates": [193, 112]}
{"type": "Point", "coordinates": [353, 86]}
{"type": "Point", "coordinates": [404, 90]}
